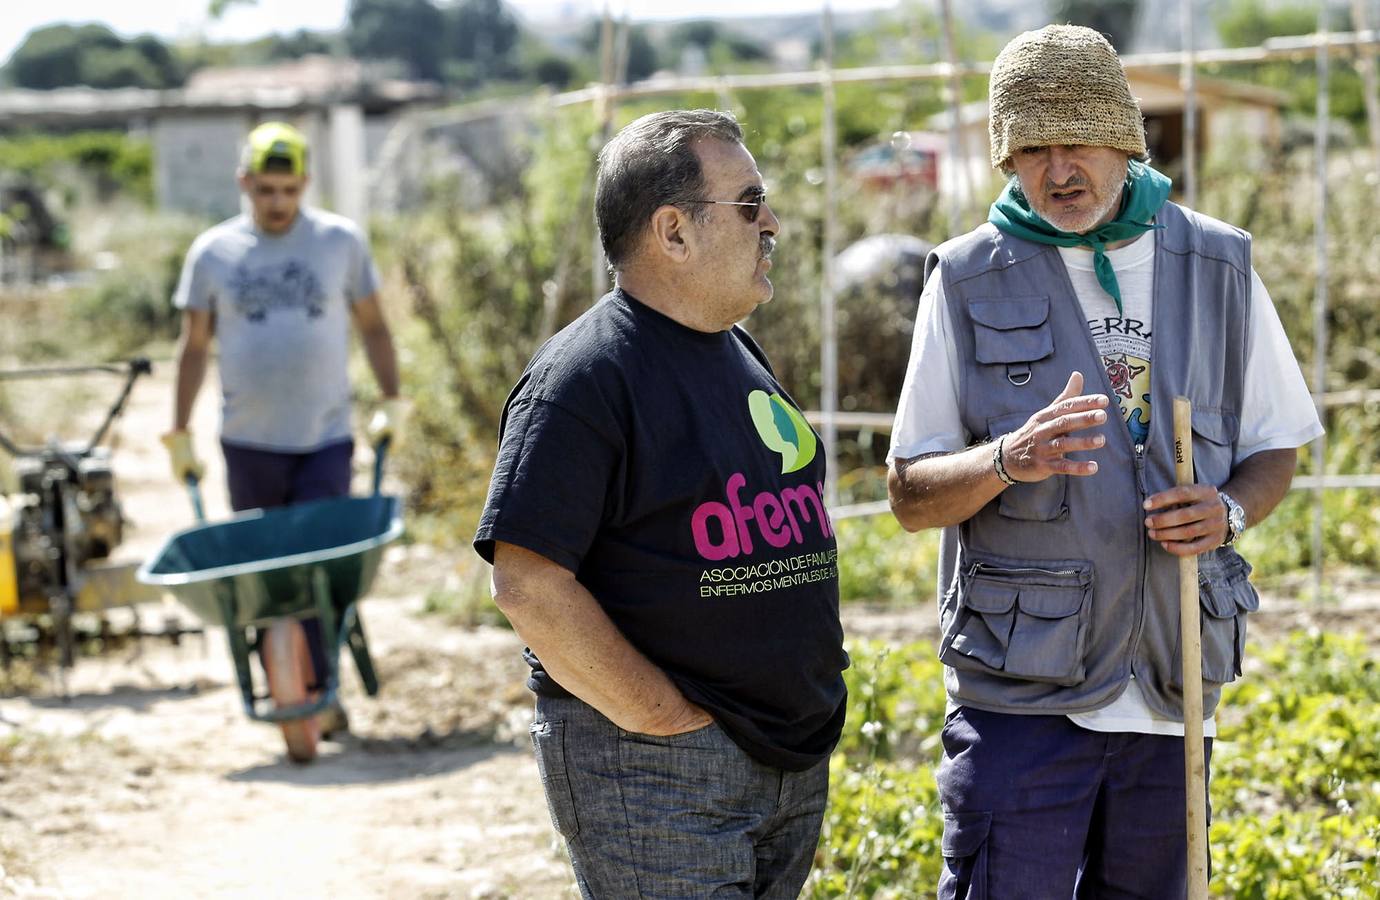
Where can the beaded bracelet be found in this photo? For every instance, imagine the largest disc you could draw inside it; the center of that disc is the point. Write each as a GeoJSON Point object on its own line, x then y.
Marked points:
{"type": "Point", "coordinates": [999, 464]}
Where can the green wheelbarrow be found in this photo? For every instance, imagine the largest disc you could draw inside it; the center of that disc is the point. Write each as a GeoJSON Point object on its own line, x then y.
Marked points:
{"type": "Point", "coordinates": [262, 572]}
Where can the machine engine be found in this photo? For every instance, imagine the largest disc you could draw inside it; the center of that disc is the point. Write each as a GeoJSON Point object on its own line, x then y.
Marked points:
{"type": "Point", "coordinates": [64, 503]}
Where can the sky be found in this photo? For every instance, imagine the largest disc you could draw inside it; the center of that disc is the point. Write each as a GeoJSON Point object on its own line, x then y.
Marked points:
{"type": "Point", "coordinates": [185, 19]}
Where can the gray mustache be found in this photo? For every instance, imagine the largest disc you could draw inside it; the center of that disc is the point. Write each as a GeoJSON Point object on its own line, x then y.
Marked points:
{"type": "Point", "coordinates": [1073, 182]}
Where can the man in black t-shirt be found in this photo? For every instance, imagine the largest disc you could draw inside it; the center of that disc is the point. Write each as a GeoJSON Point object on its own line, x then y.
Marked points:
{"type": "Point", "coordinates": [659, 540]}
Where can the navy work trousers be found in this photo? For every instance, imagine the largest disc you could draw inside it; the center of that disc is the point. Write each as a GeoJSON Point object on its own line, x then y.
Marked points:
{"type": "Point", "coordinates": [1037, 808]}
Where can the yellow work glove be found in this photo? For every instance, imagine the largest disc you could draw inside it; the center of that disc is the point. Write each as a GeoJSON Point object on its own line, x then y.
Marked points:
{"type": "Point", "coordinates": [182, 456]}
{"type": "Point", "coordinates": [386, 422]}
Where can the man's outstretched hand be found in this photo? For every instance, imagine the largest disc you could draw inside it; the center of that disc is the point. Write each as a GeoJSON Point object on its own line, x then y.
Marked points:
{"type": "Point", "coordinates": [1040, 447]}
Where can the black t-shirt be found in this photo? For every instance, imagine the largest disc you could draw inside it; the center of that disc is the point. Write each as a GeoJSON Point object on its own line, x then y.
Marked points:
{"type": "Point", "coordinates": [672, 474]}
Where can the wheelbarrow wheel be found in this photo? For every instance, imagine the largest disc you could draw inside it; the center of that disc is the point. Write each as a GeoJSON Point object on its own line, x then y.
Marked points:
{"type": "Point", "coordinates": [287, 661]}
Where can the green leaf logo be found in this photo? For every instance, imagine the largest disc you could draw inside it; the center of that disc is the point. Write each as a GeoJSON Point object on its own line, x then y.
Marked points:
{"type": "Point", "coordinates": [782, 429]}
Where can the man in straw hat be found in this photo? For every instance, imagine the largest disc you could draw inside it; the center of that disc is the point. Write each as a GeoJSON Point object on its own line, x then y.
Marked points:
{"type": "Point", "coordinates": [278, 288]}
{"type": "Point", "coordinates": [1063, 767]}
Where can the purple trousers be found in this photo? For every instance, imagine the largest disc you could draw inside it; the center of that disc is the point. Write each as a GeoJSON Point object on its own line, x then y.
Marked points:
{"type": "Point", "coordinates": [1036, 807]}
{"type": "Point", "coordinates": [262, 479]}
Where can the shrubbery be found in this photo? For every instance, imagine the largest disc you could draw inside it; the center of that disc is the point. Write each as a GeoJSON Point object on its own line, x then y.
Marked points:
{"type": "Point", "coordinates": [1295, 783]}
{"type": "Point", "coordinates": [118, 162]}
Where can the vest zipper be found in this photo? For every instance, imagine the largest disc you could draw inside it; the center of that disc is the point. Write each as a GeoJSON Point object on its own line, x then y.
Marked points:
{"type": "Point", "coordinates": [1141, 553]}
{"type": "Point", "coordinates": [975, 568]}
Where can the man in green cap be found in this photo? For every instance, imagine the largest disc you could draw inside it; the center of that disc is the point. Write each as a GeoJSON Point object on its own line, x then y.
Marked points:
{"type": "Point", "coordinates": [278, 286]}
{"type": "Point", "coordinates": [1034, 428]}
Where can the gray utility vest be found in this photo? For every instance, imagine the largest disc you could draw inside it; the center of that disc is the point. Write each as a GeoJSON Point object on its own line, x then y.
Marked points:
{"type": "Point", "coordinates": [1052, 595]}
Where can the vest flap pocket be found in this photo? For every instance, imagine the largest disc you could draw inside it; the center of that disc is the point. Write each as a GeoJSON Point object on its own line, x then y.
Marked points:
{"type": "Point", "coordinates": [990, 597]}
{"type": "Point", "coordinates": [1217, 601]}
{"type": "Point", "coordinates": [1215, 426]}
{"type": "Point", "coordinates": [1011, 331]}
{"type": "Point", "coordinates": [1012, 312]}
{"type": "Point", "coordinates": [1226, 596]}
{"type": "Point", "coordinates": [1047, 602]}
{"type": "Point", "coordinates": [964, 833]}
{"type": "Point", "coordinates": [1041, 636]}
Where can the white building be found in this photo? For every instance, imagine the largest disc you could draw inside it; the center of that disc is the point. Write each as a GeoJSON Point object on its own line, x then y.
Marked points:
{"type": "Point", "coordinates": [343, 107]}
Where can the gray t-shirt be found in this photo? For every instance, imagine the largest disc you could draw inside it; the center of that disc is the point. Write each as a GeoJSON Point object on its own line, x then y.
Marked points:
{"type": "Point", "coordinates": [282, 308]}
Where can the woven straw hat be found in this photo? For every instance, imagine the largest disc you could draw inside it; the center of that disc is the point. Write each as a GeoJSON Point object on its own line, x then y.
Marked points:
{"type": "Point", "coordinates": [1062, 84]}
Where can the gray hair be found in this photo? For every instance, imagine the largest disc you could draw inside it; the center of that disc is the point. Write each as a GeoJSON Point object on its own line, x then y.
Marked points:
{"type": "Point", "coordinates": [651, 163]}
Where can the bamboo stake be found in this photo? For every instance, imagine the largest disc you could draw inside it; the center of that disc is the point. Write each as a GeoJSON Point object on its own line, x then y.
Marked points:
{"type": "Point", "coordinates": [1188, 81]}
{"type": "Point", "coordinates": [1320, 298]}
{"type": "Point", "coordinates": [961, 193]}
{"type": "Point", "coordinates": [1295, 48]}
{"type": "Point", "coordinates": [1365, 62]}
{"type": "Point", "coordinates": [605, 96]}
{"type": "Point", "coordinates": [829, 350]}
{"type": "Point", "coordinates": [1191, 640]}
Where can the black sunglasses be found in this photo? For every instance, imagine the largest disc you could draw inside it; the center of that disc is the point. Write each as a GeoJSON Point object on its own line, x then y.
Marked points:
{"type": "Point", "coordinates": [749, 209]}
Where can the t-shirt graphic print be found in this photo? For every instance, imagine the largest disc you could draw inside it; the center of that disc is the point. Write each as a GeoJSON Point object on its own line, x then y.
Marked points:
{"type": "Point", "coordinates": [792, 516]}
{"type": "Point", "coordinates": [1122, 336]}
{"type": "Point", "coordinates": [1124, 345]}
{"type": "Point", "coordinates": [284, 285]}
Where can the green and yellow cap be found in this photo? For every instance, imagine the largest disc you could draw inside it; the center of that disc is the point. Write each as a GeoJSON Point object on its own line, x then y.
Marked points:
{"type": "Point", "coordinates": [275, 147]}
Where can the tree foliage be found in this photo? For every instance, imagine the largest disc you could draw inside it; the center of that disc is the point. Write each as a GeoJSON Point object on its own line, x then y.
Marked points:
{"type": "Point", "coordinates": [1248, 23]}
{"type": "Point", "coordinates": [1114, 18]}
{"type": "Point", "coordinates": [719, 45]}
{"type": "Point", "coordinates": [413, 31]}
{"type": "Point", "coordinates": [66, 55]}
{"type": "Point", "coordinates": [642, 56]}
{"type": "Point", "coordinates": [481, 31]}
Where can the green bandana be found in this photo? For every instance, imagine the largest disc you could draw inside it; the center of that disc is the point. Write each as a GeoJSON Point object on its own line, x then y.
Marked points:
{"type": "Point", "coordinates": [1144, 194]}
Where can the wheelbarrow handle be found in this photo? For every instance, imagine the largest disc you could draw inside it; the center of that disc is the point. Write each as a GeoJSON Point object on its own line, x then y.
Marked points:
{"type": "Point", "coordinates": [194, 492]}
{"type": "Point", "coordinates": [380, 453]}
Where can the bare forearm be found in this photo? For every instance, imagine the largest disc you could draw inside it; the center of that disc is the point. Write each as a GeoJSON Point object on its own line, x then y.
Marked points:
{"type": "Point", "coordinates": [383, 359]}
{"type": "Point", "coordinates": [582, 649]}
{"type": "Point", "coordinates": [1261, 481]}
{"type": "Point", "coordinates": [943, 490]}
{"type": "Point", "coordinates": [191, 372]}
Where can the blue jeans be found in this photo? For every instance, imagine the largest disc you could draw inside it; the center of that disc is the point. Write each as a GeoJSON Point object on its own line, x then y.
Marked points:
{"type": "Point", "coordinates": [690, 815]}
{"type": "Point", "coordinates": [1037, 807]}
{"type": "Point", "coordinates": [262, 479]}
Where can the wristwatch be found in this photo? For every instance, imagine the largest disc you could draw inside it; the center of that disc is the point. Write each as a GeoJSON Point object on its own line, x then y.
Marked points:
{"type": "Point", "coordinates": [1236, 518]}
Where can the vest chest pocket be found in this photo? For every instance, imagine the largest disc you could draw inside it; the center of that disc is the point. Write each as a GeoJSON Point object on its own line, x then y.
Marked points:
{"type": "Point", "coordinates": [1012, 331]}
{"type": "Point", "coordinates": [1214, 436]}
{"type": "Point", "coordinates": [1023, 621]}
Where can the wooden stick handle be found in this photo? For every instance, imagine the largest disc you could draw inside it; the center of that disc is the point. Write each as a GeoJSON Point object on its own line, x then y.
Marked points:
{"type": "Point", "coordinates": [1191, 640]}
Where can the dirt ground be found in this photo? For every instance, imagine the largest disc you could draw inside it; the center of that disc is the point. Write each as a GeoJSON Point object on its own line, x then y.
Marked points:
{"type": "Point", "coordinates": [150, 782]}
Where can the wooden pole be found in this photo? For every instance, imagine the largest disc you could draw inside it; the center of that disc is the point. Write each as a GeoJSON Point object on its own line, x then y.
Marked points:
{"type": "Point", "coordinates": [1188, 81]}
{"type": "Point", "coordinates": [1191, 640]}
{"type": "Point", "coordinates": [961, 193]}
{"type": "Point", "coordinates": [1320, 298]}
{"type": "Point", "coordinates": [829, 349]}
{"type": "Point", "coordinates": [1365, 62]}
{"type": "Point", "coordinates": [606, 95]}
